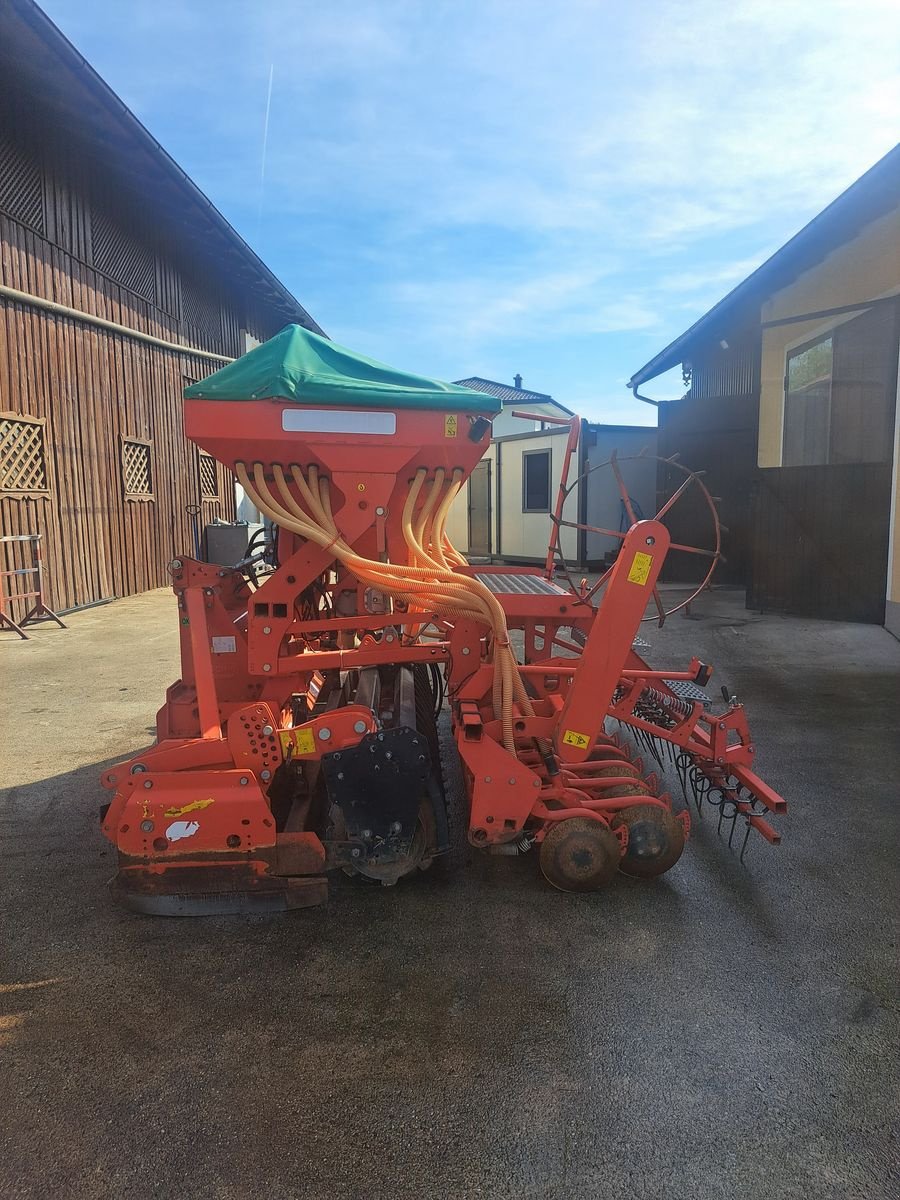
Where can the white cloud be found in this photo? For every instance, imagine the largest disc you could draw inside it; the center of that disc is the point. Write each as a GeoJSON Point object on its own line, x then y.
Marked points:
{"type": "Point", "coordinates": [494, 170]}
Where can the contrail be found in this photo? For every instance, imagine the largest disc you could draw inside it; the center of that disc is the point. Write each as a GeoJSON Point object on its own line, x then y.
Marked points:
{"type": "Point", "coordinates": [262, 169]}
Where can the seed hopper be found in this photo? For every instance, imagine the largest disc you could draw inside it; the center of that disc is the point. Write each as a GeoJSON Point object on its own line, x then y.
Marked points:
{"type": "Point", "coordinates": [355, 695]}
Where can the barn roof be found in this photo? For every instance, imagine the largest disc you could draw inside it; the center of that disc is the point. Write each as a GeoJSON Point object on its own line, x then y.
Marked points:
{"type": "Point", "coordinates": [40, 65]}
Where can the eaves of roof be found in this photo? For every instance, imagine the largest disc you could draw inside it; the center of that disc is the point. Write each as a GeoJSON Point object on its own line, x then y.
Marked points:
{"type": "Point", "coordinates": [870, 197]}
{"type": "Point", "coordinates": [510, 395]}
{"type": "Point", "coordinates": [37, 57]}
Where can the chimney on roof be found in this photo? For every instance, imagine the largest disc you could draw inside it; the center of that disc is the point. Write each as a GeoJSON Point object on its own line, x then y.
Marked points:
{"type": "Point", "coordinates": [517, 380]}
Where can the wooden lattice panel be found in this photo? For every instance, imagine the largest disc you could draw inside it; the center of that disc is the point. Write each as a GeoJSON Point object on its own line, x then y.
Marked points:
{"type": "Point", "coordinates": [209, 478]}
{"type": "Point", "coordinates": [120, 256]}
{"type": "Point", "coordinates": [21, 189]}
{"type": "Point", "coordinates": [137, 476]}
{"type": "Point", "coordinates": [23, 461]}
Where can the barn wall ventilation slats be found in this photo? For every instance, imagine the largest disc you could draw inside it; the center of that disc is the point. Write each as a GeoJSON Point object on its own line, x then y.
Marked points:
{"type": "Point", "coordinates": [21, 187]}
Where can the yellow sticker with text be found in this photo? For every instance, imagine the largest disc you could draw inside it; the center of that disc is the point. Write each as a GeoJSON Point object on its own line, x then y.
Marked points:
{"type": "Point", "coordinates": [301, 741]}
{"type": "Point", "coordinates": [640, 568]}
{"type": "Point", "coordinates": [194, 806]}
{"type": "Point", "coordinates": [450, 425]}
{"type": "Point", "coordinates": [571, 738]}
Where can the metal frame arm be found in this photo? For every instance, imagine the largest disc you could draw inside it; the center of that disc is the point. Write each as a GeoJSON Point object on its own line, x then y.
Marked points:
{"type": "Point", "coordinates": [608, 645]}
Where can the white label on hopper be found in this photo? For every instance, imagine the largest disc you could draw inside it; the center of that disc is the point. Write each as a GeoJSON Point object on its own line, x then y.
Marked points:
{"type": "Point", "coordinates": [337, 420]}
{"type": "Point", "coordinates": [224, 645]}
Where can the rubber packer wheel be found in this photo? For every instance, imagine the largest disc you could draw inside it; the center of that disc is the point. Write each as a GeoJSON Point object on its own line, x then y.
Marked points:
{"type": "Point", "coordinates": [655, 840]}
{"type": "Point", "coordinates": [580, 855]}
{"type": "Point", "coordinates": [456, 801]}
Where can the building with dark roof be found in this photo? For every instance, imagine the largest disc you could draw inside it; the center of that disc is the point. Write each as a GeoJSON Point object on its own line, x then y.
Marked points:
{"type": "Point", "coordinates": [503, 511]}
{"type": "Point", "coordinates": [791, 409]}
{"type": "Point", "coordinates": [512, 398]}
{"type": "Point", "coordinates": [119, 281]}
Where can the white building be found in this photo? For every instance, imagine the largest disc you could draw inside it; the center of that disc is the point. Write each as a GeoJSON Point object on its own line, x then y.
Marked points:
{"type": "Point", "coordinates": [503, 512]}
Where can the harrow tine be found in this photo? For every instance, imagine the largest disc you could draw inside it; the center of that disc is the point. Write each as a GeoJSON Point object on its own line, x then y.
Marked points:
{"type": "Point", "coordinates": [654, 749]}
{"type": "Point", "coordinates": [744, 843]}
{"type": "Point", "coordinates": [681, 767]}
{"type": "Point", "coordinates": [702, 787]}
{"type": "Point", "coordinates": [733, 823]}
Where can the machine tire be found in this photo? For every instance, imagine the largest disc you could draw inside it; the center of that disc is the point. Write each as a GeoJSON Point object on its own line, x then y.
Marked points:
{"type": "Point", "coordinates": [456, 801]}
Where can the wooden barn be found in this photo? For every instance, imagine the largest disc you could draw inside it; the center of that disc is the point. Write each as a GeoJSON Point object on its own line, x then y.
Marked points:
{"type": "Point", "coordinates": [119, 283]}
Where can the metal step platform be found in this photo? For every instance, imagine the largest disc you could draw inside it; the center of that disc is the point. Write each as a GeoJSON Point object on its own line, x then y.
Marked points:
{"type": "Point", "coordinates": [685, 690]}
{"type": "Point", "coordinates": [502, 583]}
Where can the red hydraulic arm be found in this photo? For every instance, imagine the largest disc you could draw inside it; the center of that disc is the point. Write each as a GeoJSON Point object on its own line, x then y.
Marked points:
{"type": "Point", "coordinates": [609, 642]}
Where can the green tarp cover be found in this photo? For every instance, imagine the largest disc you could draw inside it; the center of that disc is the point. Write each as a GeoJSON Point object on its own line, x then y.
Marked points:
{"type": "Point", "coordinates": [302, 366]}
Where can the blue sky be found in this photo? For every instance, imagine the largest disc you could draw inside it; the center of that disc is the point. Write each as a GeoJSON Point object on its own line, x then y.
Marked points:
{"type": "Point", "coordinates": [482, 187]}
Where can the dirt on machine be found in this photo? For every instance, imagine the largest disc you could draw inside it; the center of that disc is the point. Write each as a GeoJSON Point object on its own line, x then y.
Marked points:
{"type": "Point", "coordinates": [356, 696]}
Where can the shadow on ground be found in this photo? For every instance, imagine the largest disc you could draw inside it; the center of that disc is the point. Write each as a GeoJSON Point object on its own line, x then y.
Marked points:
{"type": "Point", "coordinates": [724, 1032]}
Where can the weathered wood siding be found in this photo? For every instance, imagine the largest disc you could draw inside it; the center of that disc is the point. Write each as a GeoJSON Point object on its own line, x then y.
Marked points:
{"type": "Point", "coordinates": [76, 242]}
{"type": "Point", "coordinates": [820, 541]}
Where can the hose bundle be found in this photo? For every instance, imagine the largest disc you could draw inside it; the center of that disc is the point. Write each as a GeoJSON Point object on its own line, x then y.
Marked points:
{"type": "Point", "coordinates": [427, 581]}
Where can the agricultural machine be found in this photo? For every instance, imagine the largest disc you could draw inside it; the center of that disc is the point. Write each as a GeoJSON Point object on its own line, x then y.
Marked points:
{"type": "Point", "coordinates": [356, 695]}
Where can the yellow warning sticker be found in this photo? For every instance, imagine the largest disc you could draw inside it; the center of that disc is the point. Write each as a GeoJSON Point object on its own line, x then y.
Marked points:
{"type": "Point", "coordinates": [450, 424]}
{"type": "Point", "coordinates": [640, 568]}
{"type": "Point", "coordinates": [571, 738]}
{"type": "Point", "coordinates": [194, 806]}
{"type": "Point", "coordinates": [301, 741]}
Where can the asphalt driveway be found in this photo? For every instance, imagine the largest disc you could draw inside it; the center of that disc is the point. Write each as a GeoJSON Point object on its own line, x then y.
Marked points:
{"type": "Point", "coordinates": [728, 1031]}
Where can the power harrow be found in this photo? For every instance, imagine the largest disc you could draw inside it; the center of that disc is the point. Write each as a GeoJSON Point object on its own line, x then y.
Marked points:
{"type": "Point", "coordinates": [355, 695]}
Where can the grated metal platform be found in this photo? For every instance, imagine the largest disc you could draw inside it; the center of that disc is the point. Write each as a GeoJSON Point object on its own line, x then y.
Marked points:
{"type": "Point", "coordinates": [638, 644]}
{"type": "Point", "coordinates": [523, 585]}
{"type": "Point", "coordinates": [689, 691]}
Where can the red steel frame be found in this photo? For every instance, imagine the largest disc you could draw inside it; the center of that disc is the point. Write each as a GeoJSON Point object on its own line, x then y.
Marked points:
{"type": "Point", "coordinates": [196, 804]}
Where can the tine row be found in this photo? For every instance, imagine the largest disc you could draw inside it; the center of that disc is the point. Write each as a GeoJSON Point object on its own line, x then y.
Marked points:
{"type": "Point", "coordinates": [713, 788]}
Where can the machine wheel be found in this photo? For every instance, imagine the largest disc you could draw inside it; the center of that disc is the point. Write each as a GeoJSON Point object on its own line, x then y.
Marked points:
{"type": "Point", "coordinates": [655, 840]}
{"type": "Point", "coordinates": [456, 800]}
{"type": "Point", "coordinates": [580, 855]}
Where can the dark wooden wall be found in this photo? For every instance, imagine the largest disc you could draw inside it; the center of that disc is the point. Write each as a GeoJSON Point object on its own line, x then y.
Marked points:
{"type": "Point", "coordinates": [821, 533]}
{"type": "Point", "coordinates": [66, 235]}
{"type": "Point", "coordinates": [820, 541]}
{"type": "Point", "coordinates": [714, 429]}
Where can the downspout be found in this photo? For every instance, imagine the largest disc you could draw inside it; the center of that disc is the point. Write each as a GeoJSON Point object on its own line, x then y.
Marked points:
{"type": "Point", "coordinates": [646, 399]}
